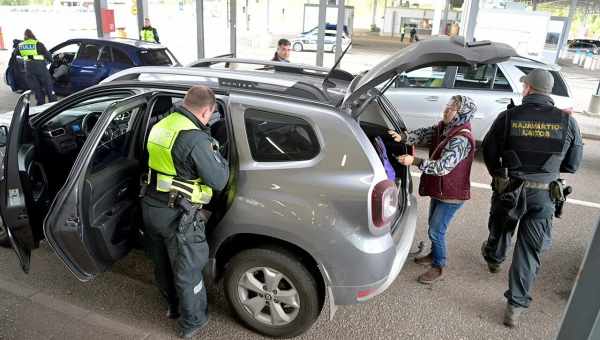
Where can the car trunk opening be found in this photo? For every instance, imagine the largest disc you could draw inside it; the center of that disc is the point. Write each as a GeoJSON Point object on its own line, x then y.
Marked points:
{"type": "Point", "coordinates": [376, 121]}
{"type": "Point", "coordinates": [367, 104]}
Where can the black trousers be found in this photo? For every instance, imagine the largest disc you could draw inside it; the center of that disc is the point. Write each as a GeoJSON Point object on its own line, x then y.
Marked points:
{"type": "Point", "coordinates": [534, 234]}
{"type": "Point", "coordinates": [179, 251]}
{"type": "Point", "coordinates": [39, 81]}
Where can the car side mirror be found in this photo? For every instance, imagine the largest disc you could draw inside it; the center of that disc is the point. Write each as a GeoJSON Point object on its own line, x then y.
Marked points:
{"type": "Point", "coordinates": [3, 135]}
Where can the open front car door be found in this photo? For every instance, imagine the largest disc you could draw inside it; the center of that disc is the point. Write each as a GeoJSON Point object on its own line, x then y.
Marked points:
{"type": "Point", "coordinates": [24, 186]}
{"type": "Point", "coordinates": [93, 217]}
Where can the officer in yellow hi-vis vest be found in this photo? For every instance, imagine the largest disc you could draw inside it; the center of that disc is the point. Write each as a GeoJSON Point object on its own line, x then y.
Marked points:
{"type": "Point", "coordinates": [185, 166]}
{"type": "Point", "coordinates": [149, 33]}
{"type": "Point", "coordinates": [34, 56]}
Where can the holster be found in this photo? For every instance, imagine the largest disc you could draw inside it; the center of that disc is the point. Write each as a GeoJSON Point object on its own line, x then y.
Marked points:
{"type": "Point", "coordinates": [512, 201]}
{"type": "Point", "coordinates": [499, 184]}
{"type": "Point", "coordinates": [559, 192]}
{"type": "Point", "coordinates": [500, 180]}
{"type": "Point", "coordinates": [144, 183]}
{"type": "Point", "coordinates": [192, 212]}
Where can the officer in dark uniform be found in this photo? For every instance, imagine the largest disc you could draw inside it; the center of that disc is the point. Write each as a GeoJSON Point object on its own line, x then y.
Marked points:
{"type": "Point", "coordinates": [184, 168]}
{"type": "Point", "coordinates": [34, 55]}
{"type": "Point", "coordinates": [526, 149]}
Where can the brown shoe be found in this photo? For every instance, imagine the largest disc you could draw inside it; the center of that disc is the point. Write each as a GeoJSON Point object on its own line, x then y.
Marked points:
{"type": "Point", "coordinates": [425, 260]}
{"type": "Point", "coordinates": [430, 276]}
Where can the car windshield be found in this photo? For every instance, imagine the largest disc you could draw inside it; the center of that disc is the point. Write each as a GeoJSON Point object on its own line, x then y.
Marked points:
{"type": "Point", "coordinates": [155, 57]}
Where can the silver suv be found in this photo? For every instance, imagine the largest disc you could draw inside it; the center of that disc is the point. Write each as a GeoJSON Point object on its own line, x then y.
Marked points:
{"type": "Point", "coordinates": [311, 209]}
{"type": "Point", "coordinates": [420, 95]}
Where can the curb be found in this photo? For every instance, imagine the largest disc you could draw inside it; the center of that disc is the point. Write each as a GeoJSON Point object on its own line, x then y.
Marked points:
{"type": "Point", "coordinates": [588, 115]}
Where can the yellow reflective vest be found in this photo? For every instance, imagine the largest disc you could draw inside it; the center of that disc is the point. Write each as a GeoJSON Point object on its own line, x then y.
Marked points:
{"type": "Point", "coordinates": [147, 34]}
{"type": "Point", "coordinates": [160, 144]}
{"type": "Point", "coordinates": [28, 50]}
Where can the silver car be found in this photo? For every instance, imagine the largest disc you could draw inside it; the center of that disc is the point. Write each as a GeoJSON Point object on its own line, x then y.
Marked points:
{"type": "Point", "coordinates": [307, 41]}
{"type": "Point", "coordinates": [421, 94]}
{"type": "Point", "coordinates": [311, 209]}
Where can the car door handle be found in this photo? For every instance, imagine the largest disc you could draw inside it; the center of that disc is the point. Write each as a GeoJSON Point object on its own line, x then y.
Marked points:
{"type": "Point", "coordinates": [503, 100]}
{"type": "Point", "coordinates": [432, 98]}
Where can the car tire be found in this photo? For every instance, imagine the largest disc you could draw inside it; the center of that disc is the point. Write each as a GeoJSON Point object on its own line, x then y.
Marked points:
{"type": "Point", "coordinates": [301, 291]}
{"type": "Point", "coordinates": [298, 47]}
{"type": "Point", "coordinates": [4, 240]}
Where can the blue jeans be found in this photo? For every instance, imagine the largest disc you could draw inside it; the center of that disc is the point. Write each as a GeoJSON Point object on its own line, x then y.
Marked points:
{"type": "Point", "coordinates": [440, 216]}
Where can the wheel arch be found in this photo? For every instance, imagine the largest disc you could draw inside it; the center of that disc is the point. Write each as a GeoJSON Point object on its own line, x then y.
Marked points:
{"type": "Point", "coordinates": [240, 242]}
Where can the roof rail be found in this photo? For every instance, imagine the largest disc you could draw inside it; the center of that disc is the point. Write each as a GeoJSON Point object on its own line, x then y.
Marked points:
{"type": "Point", "coordinates": [277, 66]}
{"type": "Point", "coordinates": [251, 81]}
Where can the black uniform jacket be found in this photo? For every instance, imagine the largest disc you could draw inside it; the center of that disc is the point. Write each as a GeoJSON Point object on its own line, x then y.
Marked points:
{"type": "Point", "coordinates": [572, 152]}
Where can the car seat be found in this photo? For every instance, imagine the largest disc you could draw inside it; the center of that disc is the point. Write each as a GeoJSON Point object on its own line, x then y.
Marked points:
{"type": "Point", "coordinates": [162, 107]}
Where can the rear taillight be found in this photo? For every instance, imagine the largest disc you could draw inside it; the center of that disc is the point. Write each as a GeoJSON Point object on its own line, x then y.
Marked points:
{"type": "Point", "coordinates": [384, 203]}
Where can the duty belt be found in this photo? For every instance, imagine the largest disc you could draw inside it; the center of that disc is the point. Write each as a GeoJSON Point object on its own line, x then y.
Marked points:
{"type": "Point", "coordinates": [537, 185]}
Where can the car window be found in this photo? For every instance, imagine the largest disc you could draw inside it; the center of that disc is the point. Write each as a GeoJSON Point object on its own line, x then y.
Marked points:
{"type": "Point", "coordinates": [559, 89]}
{"type": "Point", "coordinates": [88, 52]}
{"type": "Point", "coordinates": [114, 143]}
{"type": "Point", "coordinates": [470, 77]}
{"type": "Point", "coordinates": [105, 55]}
{"type": "Point", "coordinates": [155, 57]}
{"type": "Point", "coordinates": [80, 109]}
{"type": "Point", "coordinates": [121, 57]}
{"type": "Point", "coordinates": [501, 83]}
{"type": "Point", "coordinates": [280, 138]}
{"type": "Point", "coordinates": [432, 77]}
{"type": "Point", "coordinates": [581, 45]}
{"type": "Point", "coordinates": [68, 49]}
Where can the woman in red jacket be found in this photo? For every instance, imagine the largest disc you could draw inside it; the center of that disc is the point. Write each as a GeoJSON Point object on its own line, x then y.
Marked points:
{"type": "Point", "coordinates": [446, 174]}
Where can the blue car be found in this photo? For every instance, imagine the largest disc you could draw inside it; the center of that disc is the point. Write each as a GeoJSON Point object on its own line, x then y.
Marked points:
{"type": "Point", "coordinates": [81, 63]}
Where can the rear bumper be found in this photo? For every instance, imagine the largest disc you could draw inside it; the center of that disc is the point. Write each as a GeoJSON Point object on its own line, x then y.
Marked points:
{"type": "Point", "coordinates": [403, 239]}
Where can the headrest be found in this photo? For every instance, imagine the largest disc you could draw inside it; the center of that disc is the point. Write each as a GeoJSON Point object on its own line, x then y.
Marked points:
{"type": "Point", "coordinates": [163, 104]}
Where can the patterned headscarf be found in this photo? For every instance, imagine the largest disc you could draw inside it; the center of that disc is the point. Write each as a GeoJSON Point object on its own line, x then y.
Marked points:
{"type": "Point", "coordinates": [466, 111]}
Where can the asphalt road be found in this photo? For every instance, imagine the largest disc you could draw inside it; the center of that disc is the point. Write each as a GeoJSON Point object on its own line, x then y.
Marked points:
{"type": "Point", "coordinates": [466, 304]}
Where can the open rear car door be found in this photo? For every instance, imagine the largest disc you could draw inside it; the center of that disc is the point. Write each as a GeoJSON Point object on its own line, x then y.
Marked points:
{"type": "Point", "coordinates": [24, 186]}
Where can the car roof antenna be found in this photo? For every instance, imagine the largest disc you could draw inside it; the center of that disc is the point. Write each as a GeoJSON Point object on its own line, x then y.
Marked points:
{"type": "Point", "coordinates": [325, 87]}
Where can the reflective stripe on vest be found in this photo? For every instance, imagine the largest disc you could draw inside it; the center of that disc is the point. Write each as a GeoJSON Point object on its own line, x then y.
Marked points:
{"type": "Point", "coordinates": [160, 145]}
{"type": "Point", "coordinates": [148, 35]}
{"type": "Point", "coordinates": [28, 50]}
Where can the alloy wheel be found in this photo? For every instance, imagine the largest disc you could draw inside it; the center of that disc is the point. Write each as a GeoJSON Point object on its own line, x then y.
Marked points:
{"type": "Point", "coordinates": [269, 296]}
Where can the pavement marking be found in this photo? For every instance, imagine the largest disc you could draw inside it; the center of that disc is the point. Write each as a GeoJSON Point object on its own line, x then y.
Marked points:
{"type": "Point", "coordinates": [60, 306]}
{"type": "Point", "coordinates": [119, 327]}
{"type": "Point", "coordinates": [489, 187]}
{"type": "Point", "coordinates": [76, 312]}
